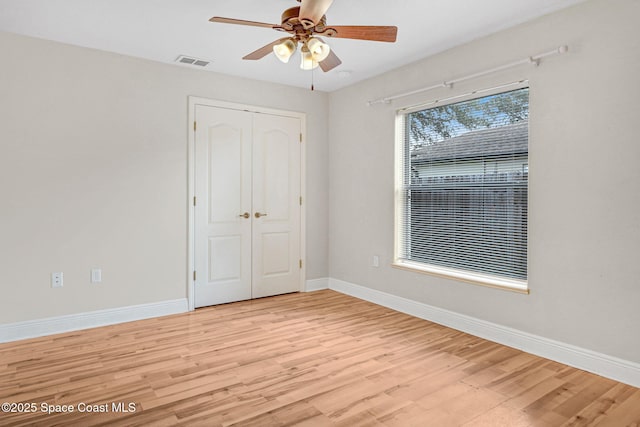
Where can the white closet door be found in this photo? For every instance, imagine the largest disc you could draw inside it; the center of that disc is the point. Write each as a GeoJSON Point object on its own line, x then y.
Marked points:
{"type": "Point", "coordinates": [276, 205]}
{"type": "Point", "coordinates": [247, 215]}
{"type": "Point", "coordinates": [223, 195]}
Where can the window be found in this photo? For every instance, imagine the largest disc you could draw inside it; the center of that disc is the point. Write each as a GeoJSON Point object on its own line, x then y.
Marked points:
{"type": "Point", "coordinates": [462, 190]}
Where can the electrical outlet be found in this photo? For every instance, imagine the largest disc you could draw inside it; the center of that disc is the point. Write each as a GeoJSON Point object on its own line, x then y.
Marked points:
{"type": "Point", "coordinates": [56, 280]}
{"type": "Point", "coordinates": [96, 275]}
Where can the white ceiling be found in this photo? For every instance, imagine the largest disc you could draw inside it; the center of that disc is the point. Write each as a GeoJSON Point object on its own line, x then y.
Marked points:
{"type": "Point", "coordinates": [161, 30]}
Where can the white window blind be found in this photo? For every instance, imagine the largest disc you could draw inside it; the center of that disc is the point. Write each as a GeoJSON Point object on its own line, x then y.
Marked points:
{"type": "Point", "coordinates": [464, 191]}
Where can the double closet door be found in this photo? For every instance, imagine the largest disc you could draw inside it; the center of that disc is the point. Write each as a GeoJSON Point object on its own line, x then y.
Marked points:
{"type": "Point", "coordinates": [247, 206]}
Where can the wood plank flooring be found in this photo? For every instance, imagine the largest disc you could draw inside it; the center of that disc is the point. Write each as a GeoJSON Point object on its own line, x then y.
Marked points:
{"type": "Point", "coordinates": [315, 359]}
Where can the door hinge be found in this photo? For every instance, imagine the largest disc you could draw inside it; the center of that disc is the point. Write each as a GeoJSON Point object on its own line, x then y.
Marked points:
{"type": "Point", "coordinates": [194, 126]}
{"type": "Point", "coordinates": [300, 138]}
{"type": "Point", "coordinates": [300, 263]}
{"type": "Point", "coordinates": [300, 200]}
{"type": "Point", "coordinates": [194, 200]}
{"type": "Point", "coordinates": [194, 275]}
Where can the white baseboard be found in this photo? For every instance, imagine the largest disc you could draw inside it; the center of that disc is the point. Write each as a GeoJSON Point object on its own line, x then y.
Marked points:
{"type": "Point", "coordinates": [316, 284]}
{"type": "Point", "coordinates": [607, 366]}
{"type": "Point", "coordinates": [75, 322]}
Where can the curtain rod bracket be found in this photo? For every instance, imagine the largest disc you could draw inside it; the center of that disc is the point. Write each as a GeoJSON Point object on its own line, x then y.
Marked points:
{"type": "Point", "coordinates": [378, 101]}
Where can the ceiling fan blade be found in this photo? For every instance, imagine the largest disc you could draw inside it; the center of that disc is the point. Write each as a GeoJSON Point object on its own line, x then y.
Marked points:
{"type": "Point", "coordinates": [330, 62]}
{"type": "Point", "coordinates": [313, 11]}
{"type": "Point", "coordinates": [241, 22]}
{"type": "Point", "coordinates": [363, 32]}
{"type": "Point", "coordinates": [263, 51]}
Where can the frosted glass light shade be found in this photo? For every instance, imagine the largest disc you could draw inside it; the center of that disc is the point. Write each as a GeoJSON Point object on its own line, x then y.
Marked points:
{"type": "Point", "coordinates": [319, 50]}
{"type": "Point", "coordinates": [284, 50]}
{"type": "Point", "coordinates": [307, 63]}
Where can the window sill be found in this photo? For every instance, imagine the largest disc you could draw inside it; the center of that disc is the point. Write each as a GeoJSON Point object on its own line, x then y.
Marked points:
{"type": "Point", "coordinates": [512, 285]}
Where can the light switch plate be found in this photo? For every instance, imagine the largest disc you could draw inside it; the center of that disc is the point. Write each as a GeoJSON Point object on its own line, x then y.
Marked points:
{"type": "Point", "coordinates": [96, 275]}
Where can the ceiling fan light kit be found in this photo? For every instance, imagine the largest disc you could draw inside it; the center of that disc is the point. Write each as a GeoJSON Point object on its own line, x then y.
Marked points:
{"type": "Point", "coordinates": [304, 24]}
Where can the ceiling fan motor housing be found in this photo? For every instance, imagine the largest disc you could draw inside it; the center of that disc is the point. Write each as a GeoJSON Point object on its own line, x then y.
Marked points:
{"type": "Point", "coordinates": [291, 18]}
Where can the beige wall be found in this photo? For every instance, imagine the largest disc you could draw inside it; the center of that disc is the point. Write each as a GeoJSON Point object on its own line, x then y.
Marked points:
{"type": "Point", "coordinates": [584, 272]}
{"type": "Point", "coordinates": [93, 173]}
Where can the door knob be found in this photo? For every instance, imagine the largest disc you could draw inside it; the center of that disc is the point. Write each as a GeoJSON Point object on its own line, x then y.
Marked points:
{"type": "Point", "coordinates": [245, 215]}
{"type": "Point", "coordinates": [258, 214]}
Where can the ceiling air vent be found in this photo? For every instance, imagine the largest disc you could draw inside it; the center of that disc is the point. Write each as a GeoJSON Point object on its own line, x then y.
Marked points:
{"type": "Point", "coordinates": [190, 60]}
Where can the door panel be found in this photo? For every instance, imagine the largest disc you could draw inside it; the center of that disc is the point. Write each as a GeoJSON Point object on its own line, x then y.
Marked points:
{"type": "Point", "coordinates": [276, 175]}
{"type": "Point", "coordinates": [275, 254]}
{"type": "Point", "coordinates": [225, 170]}
{"type": "Point", "coordinates": [225, 255]}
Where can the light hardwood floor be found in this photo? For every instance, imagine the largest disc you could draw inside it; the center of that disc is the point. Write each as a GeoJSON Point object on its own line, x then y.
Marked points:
{"type": "Point", "coordinates": [316, 359]}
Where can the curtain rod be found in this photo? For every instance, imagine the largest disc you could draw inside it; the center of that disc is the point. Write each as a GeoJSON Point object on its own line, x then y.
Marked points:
{"type": "Point", "coordinates": [535, 60]}
{"type": "Point", "coordinates": [464, 95]}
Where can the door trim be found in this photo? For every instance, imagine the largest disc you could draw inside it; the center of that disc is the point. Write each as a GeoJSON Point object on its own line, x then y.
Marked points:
{"type": "Point", "coordinates": [193, 102]}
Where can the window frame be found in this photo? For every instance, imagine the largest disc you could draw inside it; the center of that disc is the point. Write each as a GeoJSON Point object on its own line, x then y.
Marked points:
{"type": "Point", "coordinates": [476, 278]}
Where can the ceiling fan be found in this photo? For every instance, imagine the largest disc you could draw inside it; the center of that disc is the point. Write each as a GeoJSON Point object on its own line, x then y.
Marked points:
{"type": "Point", "coordinates": [305, 23]}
